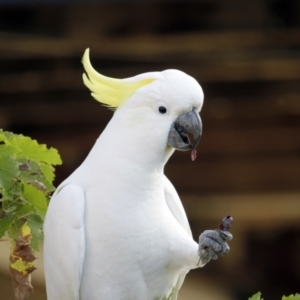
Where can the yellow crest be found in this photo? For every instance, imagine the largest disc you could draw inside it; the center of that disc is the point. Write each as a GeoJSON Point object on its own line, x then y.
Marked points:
{"type": "Point", "coordinates": [111, 92]}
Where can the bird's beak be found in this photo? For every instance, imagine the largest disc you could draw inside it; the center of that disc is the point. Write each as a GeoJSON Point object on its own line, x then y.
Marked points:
{"type": "Point", "coordinates": [188, 123]}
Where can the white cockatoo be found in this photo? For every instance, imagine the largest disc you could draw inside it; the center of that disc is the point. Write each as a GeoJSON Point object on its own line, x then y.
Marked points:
{"type": "Point", "coordinates": [116, 229]}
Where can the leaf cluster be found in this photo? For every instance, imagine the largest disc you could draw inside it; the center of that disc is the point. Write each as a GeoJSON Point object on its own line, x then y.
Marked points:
{"type": "Point", "coordinates": [257, 296]}
{"type": "Point", "coordinates": [26, 182]}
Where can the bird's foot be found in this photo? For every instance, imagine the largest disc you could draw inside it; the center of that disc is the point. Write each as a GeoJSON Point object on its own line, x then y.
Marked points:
{"type": "Point", "coordinates": [213, 243]}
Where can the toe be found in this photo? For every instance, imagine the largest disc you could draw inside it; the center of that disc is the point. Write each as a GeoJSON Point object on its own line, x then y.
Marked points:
{"type": "Point", "coordinates": [225, 249]}
{"type": "Point", "coordinates": [213, 255]}
{"type": "Point", "coordinates": [226, 235]}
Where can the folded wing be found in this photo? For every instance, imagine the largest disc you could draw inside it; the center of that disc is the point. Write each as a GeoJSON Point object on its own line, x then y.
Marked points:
{"type": "Point", "coordinates": [64, 244]}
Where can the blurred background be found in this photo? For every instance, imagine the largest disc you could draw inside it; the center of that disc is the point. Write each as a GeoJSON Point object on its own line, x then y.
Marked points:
{"type": "Point", "coordinates": [246, 56]}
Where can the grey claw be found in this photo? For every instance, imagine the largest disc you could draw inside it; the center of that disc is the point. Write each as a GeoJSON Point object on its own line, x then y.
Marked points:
{"type": "Point", "coordinates": [213, 243]}
{"type": "Point", "coordinates": [225, 250]}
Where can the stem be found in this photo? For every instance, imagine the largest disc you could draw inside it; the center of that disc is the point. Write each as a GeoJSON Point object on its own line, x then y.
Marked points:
{"type": "Point", "coordinates": [21, 263]}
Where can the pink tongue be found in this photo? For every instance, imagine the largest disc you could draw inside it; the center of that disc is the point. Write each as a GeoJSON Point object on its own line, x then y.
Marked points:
{"type": "Point", "coordinates": [194, 154]}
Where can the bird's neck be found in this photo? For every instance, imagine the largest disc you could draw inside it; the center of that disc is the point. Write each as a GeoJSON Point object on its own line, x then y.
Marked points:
{"type": "Point", "coordinates": [117, 145]}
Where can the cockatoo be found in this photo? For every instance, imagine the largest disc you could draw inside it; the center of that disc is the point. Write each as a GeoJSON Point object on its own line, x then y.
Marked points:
{"type": "Point", "coordinates": [116, 229]}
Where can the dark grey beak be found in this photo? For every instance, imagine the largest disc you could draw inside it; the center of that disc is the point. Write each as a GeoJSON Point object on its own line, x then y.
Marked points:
{"type": "Point", "coordinates": [189, 123]}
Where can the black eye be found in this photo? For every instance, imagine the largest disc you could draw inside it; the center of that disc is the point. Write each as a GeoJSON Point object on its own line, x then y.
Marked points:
{"type": "Point", "coordinates": [162, 109]}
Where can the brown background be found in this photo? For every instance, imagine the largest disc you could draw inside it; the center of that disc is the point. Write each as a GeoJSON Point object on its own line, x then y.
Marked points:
{"type": "Point", "coordinates": [245, 54]}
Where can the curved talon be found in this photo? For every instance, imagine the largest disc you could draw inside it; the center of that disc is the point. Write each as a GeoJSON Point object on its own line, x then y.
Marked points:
{"type": "Point", "coordinates": [226, 250]}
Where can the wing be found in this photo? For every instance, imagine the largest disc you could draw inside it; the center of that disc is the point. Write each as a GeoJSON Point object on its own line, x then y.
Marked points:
{"type": "Point", "coordinates": [175, 206]}
{"type": "Point", "coordinates": [64, 243]}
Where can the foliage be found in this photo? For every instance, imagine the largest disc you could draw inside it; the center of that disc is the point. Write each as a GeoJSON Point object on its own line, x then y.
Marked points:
{"type": "Point", "coordinates": [26, 176]}
{"type": "Point", "coordinates": [257, 296]}
{"type": "Point", "coordinates": [291, 297]}
{"type": "Point", "coordinates": [26, 182]}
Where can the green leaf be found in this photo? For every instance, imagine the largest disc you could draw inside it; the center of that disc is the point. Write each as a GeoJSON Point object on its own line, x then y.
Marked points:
{"type": "Point", "coordinates": [48, 172]}
{"type": "Point", "coordinates": [10, 208]}
{"type": "Point", "coordinates": [36, 198]}
{"type": "Point", "coordinates": [30, 149]}
{"type": "Point", "coordinates": [5, 224]}
{"type": "Point", "coordinates": [12, 194]}
{"type": "Point", "coordinates": [20, 212]}
{"type": "Point", "coordinates": [5, 135]}
{"type": "Point", "coordinates": [32, 174]}
{"type": "Point", "coordinates": [35, 223]}
{"type": "Point", "coordinates": [8, 150]}
{"type": "Point", "coordinates": [23, 211]}
{"type": "Point", "coordinates": [256, 296]}
{"type": "Point", "coordinates": [291, 297]}
{"type": "Point", "coordinates": [16, 225]}
{"type": "Point", "coordinates": [8, 171]}
{"type": "Point", "coordinates": [33, 167]}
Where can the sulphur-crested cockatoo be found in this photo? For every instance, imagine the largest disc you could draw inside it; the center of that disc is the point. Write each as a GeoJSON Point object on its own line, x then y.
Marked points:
{"type": "Point", "coordinates": [116, 229]}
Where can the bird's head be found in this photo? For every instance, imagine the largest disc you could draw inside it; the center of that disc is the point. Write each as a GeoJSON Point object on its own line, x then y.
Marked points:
{"type": "Point", "coordinates": [161, 108]}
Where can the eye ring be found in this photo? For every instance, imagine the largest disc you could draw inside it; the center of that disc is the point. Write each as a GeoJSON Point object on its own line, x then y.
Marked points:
{"type": "Point", "coordinates": [162, 109]}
